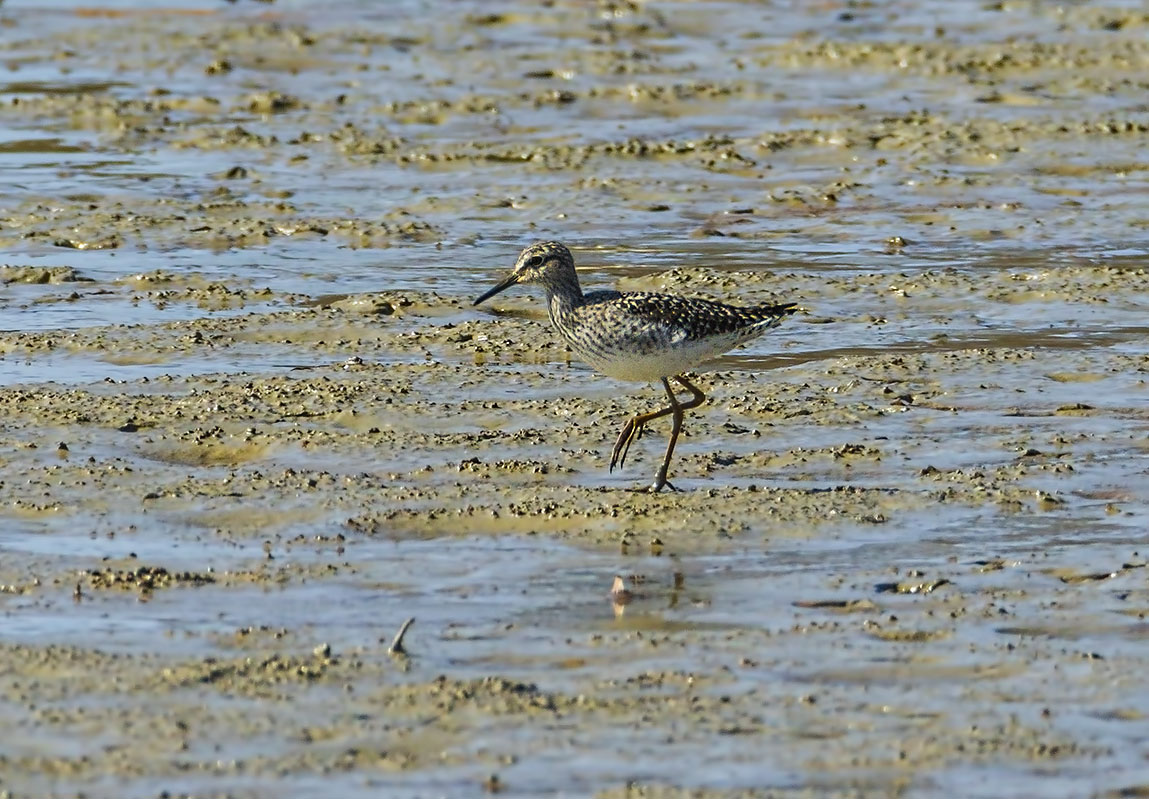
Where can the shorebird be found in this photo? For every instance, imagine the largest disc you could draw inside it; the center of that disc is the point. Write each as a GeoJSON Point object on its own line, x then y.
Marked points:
{"type": "Point", "coordinates": [640, 336]}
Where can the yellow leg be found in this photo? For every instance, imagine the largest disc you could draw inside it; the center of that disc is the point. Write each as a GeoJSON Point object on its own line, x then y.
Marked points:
{"type": "Point", "coordinates": [630, 431]}
{"type": "Point", "coordinates": [633, 429]}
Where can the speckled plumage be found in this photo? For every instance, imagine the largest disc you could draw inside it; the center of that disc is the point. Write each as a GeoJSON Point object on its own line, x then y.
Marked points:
{"type": "Point", "coordinates": [638, 335]}
{"type": "Point", "coordinates": [645, 336]}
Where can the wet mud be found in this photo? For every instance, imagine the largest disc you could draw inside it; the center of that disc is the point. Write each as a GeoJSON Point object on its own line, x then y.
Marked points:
{"type": "Point", "coordinates": [250, 422]}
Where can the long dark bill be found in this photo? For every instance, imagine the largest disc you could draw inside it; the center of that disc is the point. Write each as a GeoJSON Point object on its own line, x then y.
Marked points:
{"type": "Point", "coordinates": [503, 285]}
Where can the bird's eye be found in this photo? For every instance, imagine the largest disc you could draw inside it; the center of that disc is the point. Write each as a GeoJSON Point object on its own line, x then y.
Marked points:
{"type": "Point", "coordinates": [535, 260]}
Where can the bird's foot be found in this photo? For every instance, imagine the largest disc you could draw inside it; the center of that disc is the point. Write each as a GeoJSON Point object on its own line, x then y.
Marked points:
{"type": "Point", "coordinates": [660, 484]}
{"type": "Point", "coordinates": [630, 431]}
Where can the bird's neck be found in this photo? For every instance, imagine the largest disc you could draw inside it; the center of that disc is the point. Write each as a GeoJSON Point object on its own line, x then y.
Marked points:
{"type": "Point", "coordinates": [563, 295]}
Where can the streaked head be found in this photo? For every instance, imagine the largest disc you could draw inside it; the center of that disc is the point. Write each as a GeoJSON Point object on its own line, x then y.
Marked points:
{"type": "Point", "coordinates": [545, 262]}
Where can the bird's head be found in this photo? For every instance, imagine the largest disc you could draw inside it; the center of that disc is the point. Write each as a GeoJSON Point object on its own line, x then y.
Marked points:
{"type": "Point", "coordinates": [545, 262]}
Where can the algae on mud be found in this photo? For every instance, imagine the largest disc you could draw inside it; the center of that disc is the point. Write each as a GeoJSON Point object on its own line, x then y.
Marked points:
{"type": "Point", "coordinates": [249, 424]}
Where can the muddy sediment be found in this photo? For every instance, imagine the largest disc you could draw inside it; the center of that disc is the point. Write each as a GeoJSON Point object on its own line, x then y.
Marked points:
{"type": "Point", "coordinates": [250, 421]}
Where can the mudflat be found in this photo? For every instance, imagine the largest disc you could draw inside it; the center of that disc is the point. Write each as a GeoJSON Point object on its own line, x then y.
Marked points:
{"type": "Point", "coordinates": [250, 422]}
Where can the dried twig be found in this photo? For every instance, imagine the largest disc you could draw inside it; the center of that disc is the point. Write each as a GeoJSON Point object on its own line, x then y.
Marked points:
{"type": "Point", "coordinates": [396, 647]}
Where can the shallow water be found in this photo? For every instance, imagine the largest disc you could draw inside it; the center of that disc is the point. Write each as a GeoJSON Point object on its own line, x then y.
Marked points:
{"type": "Point", "coordinates": [241, 244]}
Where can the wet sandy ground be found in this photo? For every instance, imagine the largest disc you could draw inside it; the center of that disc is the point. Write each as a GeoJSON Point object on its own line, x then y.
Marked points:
{"type": "Point", "coordinates": [250, 422]}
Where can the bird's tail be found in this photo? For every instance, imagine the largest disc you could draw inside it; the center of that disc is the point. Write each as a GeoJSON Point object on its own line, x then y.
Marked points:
{"type": "Point", "coordinates": [778, 310]}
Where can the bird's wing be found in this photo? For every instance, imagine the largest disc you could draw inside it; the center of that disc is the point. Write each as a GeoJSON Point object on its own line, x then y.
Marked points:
{"type": "Point", "coordinates": [694, 318]}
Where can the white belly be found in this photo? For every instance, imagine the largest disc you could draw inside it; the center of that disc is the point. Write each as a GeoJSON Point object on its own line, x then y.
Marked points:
{"type": "Point", "coordinates": [653, 366]}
